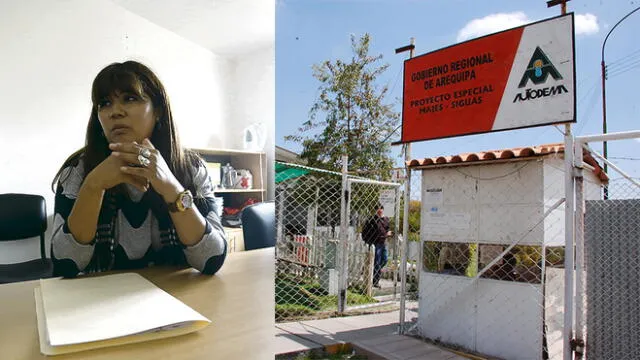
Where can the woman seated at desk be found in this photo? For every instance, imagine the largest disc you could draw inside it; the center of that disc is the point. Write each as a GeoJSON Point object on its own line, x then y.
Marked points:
{"type": "Point", "coordinates": [133, 196]}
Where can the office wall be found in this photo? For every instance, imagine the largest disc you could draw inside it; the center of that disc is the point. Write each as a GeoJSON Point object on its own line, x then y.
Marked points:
{"type": "Point", "coordinates": [52, 50]}
{"type": "Point", "coordinates": [253, 77]}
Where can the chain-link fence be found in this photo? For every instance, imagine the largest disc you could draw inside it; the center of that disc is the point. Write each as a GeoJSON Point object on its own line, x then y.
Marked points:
{"type": "Point", "coordinates": [413, 250]}
{"type": "Point", "coordinates": [607, 261]}
{"type": "Point", "coordinates": [491, 278]}
{"type": "Point", "coordinates": [312, 256]}
{"type": "Point", "coordinates": [308, 229]}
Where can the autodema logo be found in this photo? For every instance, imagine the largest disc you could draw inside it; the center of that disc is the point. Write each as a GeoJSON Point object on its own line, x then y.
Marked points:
{"type": "Point", "coordinates": [538, 71]}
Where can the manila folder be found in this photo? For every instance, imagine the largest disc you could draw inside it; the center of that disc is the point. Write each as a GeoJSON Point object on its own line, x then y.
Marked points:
{"type": "Point", "coordinates": [89, 313]}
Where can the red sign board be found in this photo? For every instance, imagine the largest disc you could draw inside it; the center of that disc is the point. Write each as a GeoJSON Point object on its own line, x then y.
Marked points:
{"type": "Point", "coordinates": [517, 78]}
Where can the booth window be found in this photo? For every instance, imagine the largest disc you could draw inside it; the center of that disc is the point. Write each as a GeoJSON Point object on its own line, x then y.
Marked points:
{"type": "Point", "coordinates": [521, 263]}
{"type": "Point", "coordinates": [450, 258]}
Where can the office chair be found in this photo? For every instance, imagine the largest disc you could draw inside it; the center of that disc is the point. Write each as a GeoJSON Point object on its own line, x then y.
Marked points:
{"type": "Point", "coordinates": [24, 216]}
{"type": "Point", "coordinates": [259, 225]}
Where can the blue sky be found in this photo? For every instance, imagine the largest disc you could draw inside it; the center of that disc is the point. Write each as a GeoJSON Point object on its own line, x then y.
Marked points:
{"type": "Point", "coordinates": [311, 31]}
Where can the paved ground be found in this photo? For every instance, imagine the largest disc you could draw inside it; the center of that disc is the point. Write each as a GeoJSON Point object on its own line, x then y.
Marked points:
{"type": "Point", "coordinates": [373, 335]}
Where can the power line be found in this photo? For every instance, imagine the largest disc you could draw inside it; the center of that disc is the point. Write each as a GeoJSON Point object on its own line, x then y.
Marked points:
{"type": "Point", "coordinates": [589, 110]}
{"type": "Point", "coordinates": [396, 82]}
{"type": "Point", "coordinates": [591, 105]}
{"type": "Point", "coordinates": [622, 158]}
{"type": "Point", "coordinates": [624, 69]}
{"type": "Point", "coordinates": [595, 83]}
{"type": "Point", "coordinates": [622, 72]}
{"type": "Point", "coordinates": [625, 58]}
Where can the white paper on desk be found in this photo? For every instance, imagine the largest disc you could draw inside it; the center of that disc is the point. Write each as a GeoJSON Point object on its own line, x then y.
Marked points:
{"type": "Point", "coordinates": [87, 313]}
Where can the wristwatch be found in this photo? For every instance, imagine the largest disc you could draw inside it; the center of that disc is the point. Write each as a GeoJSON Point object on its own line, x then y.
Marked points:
{"type": "Point", "coordinates": [182, 203]}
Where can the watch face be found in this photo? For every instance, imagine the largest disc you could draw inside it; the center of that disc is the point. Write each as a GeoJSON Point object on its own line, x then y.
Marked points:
{"type": "Point", "coordinates": [186, 200]}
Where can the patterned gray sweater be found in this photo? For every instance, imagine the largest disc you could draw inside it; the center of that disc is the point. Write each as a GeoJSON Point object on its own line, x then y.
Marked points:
{"type": "Point", "coordinates": [130, 233]}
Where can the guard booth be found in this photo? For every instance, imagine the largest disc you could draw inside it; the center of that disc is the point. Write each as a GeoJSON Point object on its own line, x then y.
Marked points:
{"type": "Point", "coordinates": [492, 235]}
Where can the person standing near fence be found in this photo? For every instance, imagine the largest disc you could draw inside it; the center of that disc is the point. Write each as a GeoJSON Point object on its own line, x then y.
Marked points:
{"type": "Point", "coordinates": [375, 232]}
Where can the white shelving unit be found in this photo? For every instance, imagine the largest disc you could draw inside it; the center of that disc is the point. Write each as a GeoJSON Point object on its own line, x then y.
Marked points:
{"type": "Point", "coordinates": [255, 162]}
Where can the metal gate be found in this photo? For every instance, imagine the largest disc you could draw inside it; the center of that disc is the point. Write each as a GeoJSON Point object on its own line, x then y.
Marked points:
{"type": "Point", "coordinates": [607, 301]}
{"type": "Point", "coordinates": [322, 264]}
{"type": "Point", "coordinates": [358, 259]}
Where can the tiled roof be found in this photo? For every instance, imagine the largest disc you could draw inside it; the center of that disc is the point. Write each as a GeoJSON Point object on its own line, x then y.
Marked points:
{"type": "Point", "coordinates": [504, 154]}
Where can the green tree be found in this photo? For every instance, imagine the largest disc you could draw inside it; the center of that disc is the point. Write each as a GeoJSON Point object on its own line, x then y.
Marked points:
{"type": "Point", "coordinates": [350, 115]}
{"type": "Point", "coordinates": [414, 219]}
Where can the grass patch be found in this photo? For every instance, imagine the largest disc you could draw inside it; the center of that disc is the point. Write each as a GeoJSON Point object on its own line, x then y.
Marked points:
{"type": "Point", "coordinates": [357, 299]}
{"type": "Point", "coordinates": [293, 294]}
{"type": "Point", "coordinates": [331, 301]}
{"type": "Point", "coordinates": [291, 310]}
{"type": "Point", "coordinates": [299, 298]}
{"type": "Point", "coordinates": [315, 289]}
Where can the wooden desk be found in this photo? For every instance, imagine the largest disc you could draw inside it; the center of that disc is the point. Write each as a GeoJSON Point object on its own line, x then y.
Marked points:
{"type": "Point", "coordinates": [239, 300]}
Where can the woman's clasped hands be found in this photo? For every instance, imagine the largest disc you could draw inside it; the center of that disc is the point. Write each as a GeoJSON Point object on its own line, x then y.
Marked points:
{"type": "Point", "coordinates": [144, 163]}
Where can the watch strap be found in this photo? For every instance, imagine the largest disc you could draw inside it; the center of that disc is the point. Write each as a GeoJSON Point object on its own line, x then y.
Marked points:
{"type": "Point", "coordinates": [172, 205]}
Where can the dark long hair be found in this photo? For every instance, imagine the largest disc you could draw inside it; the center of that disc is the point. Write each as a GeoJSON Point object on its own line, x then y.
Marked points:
{"type": "Point", "coordinates": [133, 77]}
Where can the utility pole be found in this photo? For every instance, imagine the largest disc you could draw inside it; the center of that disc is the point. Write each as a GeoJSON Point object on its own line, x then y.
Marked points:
{"type": "Point", "coordinates": [603, 69]}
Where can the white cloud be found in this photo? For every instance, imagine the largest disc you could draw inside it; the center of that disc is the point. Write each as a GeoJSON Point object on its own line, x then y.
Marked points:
{"type": "Point", "coordinates": [492, 23]}
{"type": "Point", "coordinates": [586, 24]}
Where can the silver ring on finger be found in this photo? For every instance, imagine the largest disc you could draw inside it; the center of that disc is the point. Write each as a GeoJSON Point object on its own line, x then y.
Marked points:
{"type": "Point", "coordinates": [145, 152]}
{"type": "Point", "coordinates": [143, 160]}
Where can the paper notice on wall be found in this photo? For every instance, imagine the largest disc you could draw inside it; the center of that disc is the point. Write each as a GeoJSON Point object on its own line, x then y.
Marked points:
{"type": "Point", "coordinates": [437, 224]}
{"type": "Point", "coordinates": [433, 197]}
{"type": "Point", "coordinates": [459, 221]}
{"type": "Point", "coordinates": [388, 200]}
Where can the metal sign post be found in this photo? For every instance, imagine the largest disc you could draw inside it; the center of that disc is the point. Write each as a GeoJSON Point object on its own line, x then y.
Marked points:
{"type": "Point", "coordinates": [405, 222]}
